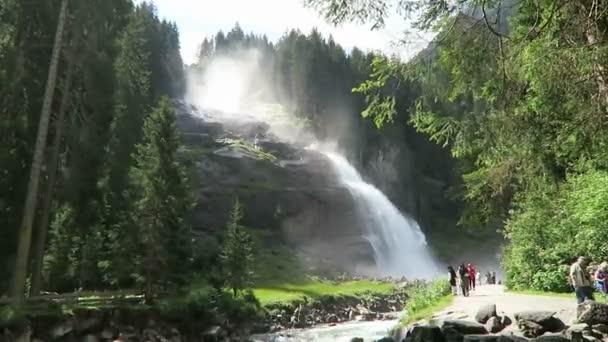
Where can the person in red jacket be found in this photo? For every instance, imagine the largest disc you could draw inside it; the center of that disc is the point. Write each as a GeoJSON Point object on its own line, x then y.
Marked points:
{"type": "Point", "coordinates": [472, 274]}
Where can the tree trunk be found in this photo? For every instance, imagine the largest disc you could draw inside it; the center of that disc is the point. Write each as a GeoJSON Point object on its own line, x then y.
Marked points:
{"type": "Point", "coordinates": [29, 209]}
{"type": "Point", "coordinates": [53, 165]}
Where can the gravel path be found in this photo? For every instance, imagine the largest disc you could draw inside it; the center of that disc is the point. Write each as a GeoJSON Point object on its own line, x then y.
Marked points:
{"type": "Point", "coordinates": [508, 304]}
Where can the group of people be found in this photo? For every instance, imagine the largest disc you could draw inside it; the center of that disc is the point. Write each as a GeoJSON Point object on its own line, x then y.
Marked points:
{"type": "Point", "coordinates": [585, 277]}
{"type": "Point", "coordinates": [466, 277]}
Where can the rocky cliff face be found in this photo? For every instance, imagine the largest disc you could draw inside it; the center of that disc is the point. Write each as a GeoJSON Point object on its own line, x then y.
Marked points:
{"type": "Point", "coordinates": [285, 188]}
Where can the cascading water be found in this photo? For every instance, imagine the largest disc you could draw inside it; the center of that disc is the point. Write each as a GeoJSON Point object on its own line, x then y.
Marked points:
{"type": "Point", "coordinates": [399, 246]}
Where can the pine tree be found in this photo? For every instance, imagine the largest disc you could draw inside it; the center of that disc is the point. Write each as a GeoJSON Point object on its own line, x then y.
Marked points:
{"type": "Point", "coordinates": [237, 252]}
{"type": "Point", "coordinates": [161, 200]}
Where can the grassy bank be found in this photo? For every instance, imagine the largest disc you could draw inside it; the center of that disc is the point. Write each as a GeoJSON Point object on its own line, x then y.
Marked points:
{"type": "Point", "coordinates": [313, 288]}
{"type": "Point", "coordinates": [425, 299]}
{"type": "Point", "coordinates": [541, 293]}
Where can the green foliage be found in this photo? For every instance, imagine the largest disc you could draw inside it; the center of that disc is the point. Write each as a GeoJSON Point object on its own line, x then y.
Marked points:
{"type": "Point", "coordinates": [312, 288]}
{"type": "Point", "coordinates": [161, 200]}
{"type": "Point", "coordinates": [424, 299]}
{"type": "Point", "coordinates": [552, 228]}
{"type": "Point", "coordinates": [237, 255]}
{"type": "Point", "coordinates": [204, 306]}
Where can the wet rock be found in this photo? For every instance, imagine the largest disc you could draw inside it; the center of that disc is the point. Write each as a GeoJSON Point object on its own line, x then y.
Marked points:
{"type": "Point", "coordinates": [62, 329]}
{"type": "Point", "coordinates": [480, 338]}
{"type": "Point", "coordinates": [485, 313]}
{"type": "Point", "coordinates": [213, 333]}
{"type": "Point", "coordinates": [494, 325]}
{"type": "Point", "coordinates": [90, 338]}
{"type": "Point", "coordinates": [530, 329]}
{"type": "Point", "coordinates": [425, 333]}
{"type": "Point", "coordinates": [577, 331]}
{"type": "Point", "coordinates": [591, 312]}
{"type": "Point", "coordinates": [534, 316]}
{"type": "Point", "coordinates": [603, 328]}
{"type": "Point", "coordinates": [551, 337]}
{"type": "Point", "coordinates": [553, 324]}
{"type": "Point", "coordinates": [386, 339]}
{"type": "Point", "coordinates": [451, 334]}
{"type": "Point", "coordinates": [505, 321]}
{"type": "Point", "coordinates": [464, 327]}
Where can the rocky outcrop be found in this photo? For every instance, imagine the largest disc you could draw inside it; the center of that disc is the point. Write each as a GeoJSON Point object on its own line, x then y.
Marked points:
{"type": "Point", "coordinates": [283, 187]}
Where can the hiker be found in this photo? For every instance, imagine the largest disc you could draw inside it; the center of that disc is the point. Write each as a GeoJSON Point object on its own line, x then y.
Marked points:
{"type": "Point", "coordinates": [600, 277]}
{"type": "Point", "coordinates": [472, 272]}
{"type": "Point", "coordinates": [488, 278]}
{"type": "Point", "coordinates": [581, 280]}
{"type": "Point", "coordinates": [463, 277]}
{"type": "Point", "coordinates": [478, 277]}
{"type": "Point", "coordinates": [453, 280]}
{"type": "Point", "coordinates": [494, 277]}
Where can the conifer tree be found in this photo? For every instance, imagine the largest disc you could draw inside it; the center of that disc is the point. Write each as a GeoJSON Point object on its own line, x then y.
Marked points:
{"type": "Point", "coordinates": [237, 252]}
{"type": "Point", "coordinates": [161, 200]}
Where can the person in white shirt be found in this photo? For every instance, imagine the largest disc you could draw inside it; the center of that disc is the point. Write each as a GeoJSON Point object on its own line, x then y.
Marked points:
{"type": "Point", "coordinates": [581, 280]}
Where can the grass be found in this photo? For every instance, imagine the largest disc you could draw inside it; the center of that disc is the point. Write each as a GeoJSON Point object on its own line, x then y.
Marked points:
{"type": "Point", "coordinates": [424, 313]}
{"type": "Point", "coordinates": [542, 293]}
{"type": "Point", "coordinates": [425, 299]}
{"type": "Point", "coordinates": [315, 288]}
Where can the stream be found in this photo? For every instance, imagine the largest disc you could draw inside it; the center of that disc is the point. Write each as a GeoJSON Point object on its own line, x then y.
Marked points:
{"type": "Point", "coordinates": [344, 332]}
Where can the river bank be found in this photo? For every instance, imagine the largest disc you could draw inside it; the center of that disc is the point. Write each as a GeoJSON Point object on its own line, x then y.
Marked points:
{"type": "Point", "coordinates": [202, 315]}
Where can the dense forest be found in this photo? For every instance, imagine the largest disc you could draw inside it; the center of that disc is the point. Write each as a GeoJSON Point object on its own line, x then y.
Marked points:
{"type": "Point", "coordinates": [108, 174]}
{"type": "Point", "coordinates": [521, 104]}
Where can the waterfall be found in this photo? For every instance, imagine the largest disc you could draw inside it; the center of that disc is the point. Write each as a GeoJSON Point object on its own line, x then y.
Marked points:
{"type": "Point", "coordinates": [399, 246]}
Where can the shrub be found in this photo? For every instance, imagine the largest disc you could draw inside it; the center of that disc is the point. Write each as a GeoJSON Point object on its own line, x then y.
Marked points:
{"type": "Point", "coordinates": [424, 295]}
{"type": "Point", "coordinates": [552, 227]}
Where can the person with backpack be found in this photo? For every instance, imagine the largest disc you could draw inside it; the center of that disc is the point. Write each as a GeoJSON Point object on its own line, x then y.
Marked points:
{"type": "Point", "coordinates": [463, 276]}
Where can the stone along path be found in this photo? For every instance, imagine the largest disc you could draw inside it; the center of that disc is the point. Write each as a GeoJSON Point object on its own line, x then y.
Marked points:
{"type": "Point", "coordinates": [507, 304]}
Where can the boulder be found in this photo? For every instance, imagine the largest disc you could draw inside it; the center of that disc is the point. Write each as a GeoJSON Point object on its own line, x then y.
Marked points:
{"type": "Point", "coordinates": [386, 339]}
{"type": "Point", "coordinates": [553, 324]}
{"type": "Point", "coordinates": [603, 328]}
{"type": "Point", "coordinates": [451, 334]}
{"type": "Point", "coordinates": [591, 312]}
{"type": "Point", "coordinates": [62, 329]}
{"type": "Point", "coordinates": [484, 338]}
{"type": "Point", "coordinates": [534, 316]}
{"type": "Point", "coordinates": [494, 325]}
{"type": "Point", "coordinates": [552, 337]}
{"type": "Point", "coordinates": [425, 333]}
{"type": "Point", "coordinates": [357, 339]}
{"type": "Point", "coordinates": [505, 321]}
{"type": "Point", "coordinates": [90, 338]}
{"type": "Point", "coordinates": [485, 313]}
{"type": "Point", "coordinates": [464, 327]}
{"type": "Point", "coordinates": [530, 329]}
{"type": "Point", "coordinates": [576, 331]}
{"type": "Point", "coordinates": [493, 338]}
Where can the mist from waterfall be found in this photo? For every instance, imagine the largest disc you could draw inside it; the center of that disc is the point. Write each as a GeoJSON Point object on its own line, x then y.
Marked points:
{"type": "Point", "coordinates": [399, 246]}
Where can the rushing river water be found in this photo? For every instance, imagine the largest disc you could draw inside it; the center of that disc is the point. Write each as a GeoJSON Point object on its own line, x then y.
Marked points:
{"type": "Point", "coordinates": [369, 331]}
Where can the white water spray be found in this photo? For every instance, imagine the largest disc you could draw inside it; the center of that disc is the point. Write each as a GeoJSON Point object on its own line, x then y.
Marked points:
{"type": "Point", "coordinates": [399, 246]}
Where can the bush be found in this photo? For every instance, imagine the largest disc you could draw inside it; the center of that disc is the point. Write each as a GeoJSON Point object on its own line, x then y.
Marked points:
{"type": "Point", "coordinates": [551, 227]}
{"type": "Point", "coordinates": [424, 295]}
{"type": "Point", "coordinates": [205, 306]}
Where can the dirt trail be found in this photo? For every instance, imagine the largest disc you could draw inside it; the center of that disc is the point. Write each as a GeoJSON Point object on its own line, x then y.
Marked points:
{"type": "Point", "coordinates": [508, 304]}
